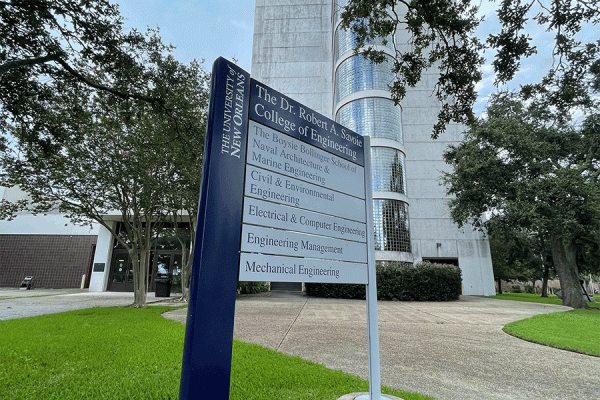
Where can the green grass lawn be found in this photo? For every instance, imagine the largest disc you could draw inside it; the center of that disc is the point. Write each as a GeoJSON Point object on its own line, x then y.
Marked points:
{"type": "Point", "coordinates": [577, 330]}
{"type": "Point", "coordinates": [127, 353]}
{"type": "Point", "coordinates": [537, 298]}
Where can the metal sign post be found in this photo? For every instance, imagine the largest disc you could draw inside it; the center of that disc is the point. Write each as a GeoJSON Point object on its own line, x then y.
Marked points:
{"type": "Point", "coordinates": [372, 317]}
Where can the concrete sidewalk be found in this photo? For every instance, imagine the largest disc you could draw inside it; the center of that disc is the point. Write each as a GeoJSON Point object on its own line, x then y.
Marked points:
{"type": "Point", "coordinates": [15, 303]}
{"type": "Point", "coordinates": [454, 350]}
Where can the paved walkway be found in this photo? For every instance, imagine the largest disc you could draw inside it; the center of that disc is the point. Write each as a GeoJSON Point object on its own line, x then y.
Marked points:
{"type": "Point", "coordinates": [15, 303]}
{"type": "Point", "coordinates": [453, 350]}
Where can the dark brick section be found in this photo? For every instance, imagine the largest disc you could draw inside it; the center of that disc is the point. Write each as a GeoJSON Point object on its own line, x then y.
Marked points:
{"type": "Point", "coordinates": [55, 261]}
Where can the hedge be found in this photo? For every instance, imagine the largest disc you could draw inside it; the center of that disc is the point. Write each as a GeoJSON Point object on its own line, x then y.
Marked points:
{"type": "Point", "coordinates": [251, 287]}
{"type": "Point", "coordinates": [401, 282]}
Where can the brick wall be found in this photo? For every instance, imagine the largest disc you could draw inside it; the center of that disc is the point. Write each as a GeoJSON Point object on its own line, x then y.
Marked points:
{"type": "Point", "coordinates": [55, 261]}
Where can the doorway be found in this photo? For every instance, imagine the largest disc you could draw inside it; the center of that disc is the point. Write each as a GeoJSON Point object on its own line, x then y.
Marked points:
{"type": "Point", "coordinates": [121, 272]}
{"type": "Point", "coordinates": [162, 264]}
{"type": "Point", "coordinates": [165, 264]}
{"type": "Point", "coordinates": [442, 260]}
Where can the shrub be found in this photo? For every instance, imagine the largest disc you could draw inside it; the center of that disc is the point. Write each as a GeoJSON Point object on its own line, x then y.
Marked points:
{"type": "Point", "coordinates": [529, 289]}
{"type": "Point", "coordinates": [516, 289]}
{"type": "Point", "coordinates": [403, 282]}
{"type": "Point", "coordinates": [251, 287]}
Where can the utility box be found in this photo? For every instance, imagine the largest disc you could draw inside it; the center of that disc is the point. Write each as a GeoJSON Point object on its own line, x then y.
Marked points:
{"type": "Point", "coordinates": [27, 283]}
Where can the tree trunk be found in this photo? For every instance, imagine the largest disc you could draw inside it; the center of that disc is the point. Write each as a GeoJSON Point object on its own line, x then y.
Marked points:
{"type": "Point", "coordinates": [186, 269]}
{"type": "Point", "coordinates": [141, 294]}
{"type": "Point", "coordinates": [139, 278]}
{"type": "Point", "coordinates": [545, 280]}
{"type": "Point", "coordinates": [141, 254]}
{"type": "Point", "coordinates": [499, 286]}
{"type": "Point", "coordinates": [566, 267]}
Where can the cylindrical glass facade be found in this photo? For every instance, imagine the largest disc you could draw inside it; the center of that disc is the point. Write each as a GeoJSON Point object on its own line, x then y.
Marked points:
{"type": "Point", "coordinates": [388, 173]}
{"type": "Point", "coordinates": [379, 118]}
{"type": "Point", "coordinates": [391, 225]}
{"type": "Point", "coordinates": [345, 41]}
{"type": "Point", "coordinates": [356, 74]}
{"type": "Point", "coordinates": [372, 116]}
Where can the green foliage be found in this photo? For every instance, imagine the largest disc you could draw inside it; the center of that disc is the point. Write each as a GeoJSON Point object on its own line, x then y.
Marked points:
{"type": "Point", "coordinates": [252, 287]}
{"type": "Point", "coordinates": [126, 353]}
{"type": "Point", "coordinates": [337, 291]}
{"type": "Point", "coordinates": [401, 282]}
{"type": "Point", "coordinates": [576, 330]}
{"type": "Point", "coordinates": [520, 168]}
{"type": "Point", "coordinates": [516, 254]}
{"type": "Point", "coordinates": [88, 151]}
{"type": "Point", "coordinates": [440, 33]}
{"type": "Point", "coordinates": [529, 289]}
{"type": "Point", "coordinates": [46, 43]}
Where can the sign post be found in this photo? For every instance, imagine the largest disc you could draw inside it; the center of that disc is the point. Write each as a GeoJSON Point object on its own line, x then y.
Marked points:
{"type": "Point", "coordinates": [206, 364]}
{"type": "Point", "coordinates": [286, 197]}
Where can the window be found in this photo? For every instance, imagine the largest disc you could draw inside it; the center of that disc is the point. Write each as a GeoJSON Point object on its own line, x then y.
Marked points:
{"type": "Point", "coordinates": [391, 225]}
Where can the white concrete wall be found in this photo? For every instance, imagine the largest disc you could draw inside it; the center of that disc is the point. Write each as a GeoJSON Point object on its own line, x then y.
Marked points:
{"type": "Point", "coordinates": [292, 50]}
{"type": "Point", "coordinates": [433, 233]}
{"type": "Point", "coordinates": [104, 246]}
{"type": "Point", "coordinates": [52, 224]}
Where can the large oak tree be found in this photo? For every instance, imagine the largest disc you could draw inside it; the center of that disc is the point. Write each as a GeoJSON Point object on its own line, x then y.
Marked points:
{"type": "Point", "coordinates": [520, 167]}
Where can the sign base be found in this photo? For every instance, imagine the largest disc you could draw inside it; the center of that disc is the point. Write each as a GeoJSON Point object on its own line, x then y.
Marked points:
{"type": "Point", "coordinates": [365, 396]}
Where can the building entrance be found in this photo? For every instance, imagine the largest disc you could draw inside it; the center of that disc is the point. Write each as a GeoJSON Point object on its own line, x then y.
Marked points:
{"type": "Point", "coordinates": [121, 272]}
{"type": "Point", "coordinates": [165, 262]}
{"type": "Point", "coordinates": [162, 264]}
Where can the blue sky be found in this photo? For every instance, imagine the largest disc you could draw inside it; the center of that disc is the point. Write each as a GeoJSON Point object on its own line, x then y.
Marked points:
{"type": "Point", "coordinates": [207, 29]}
{"type": "Point", "coordinates": [200, 29]}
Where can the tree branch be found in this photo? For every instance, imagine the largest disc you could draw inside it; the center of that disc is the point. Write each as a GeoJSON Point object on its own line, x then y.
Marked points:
{"type": "Point", "coordinates": [108, 89]}
{"type": "Point", "coordinates": [27, 61]}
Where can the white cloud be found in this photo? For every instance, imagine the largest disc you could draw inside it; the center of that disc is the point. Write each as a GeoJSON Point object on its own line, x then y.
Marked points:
{"type": "Point", "coordinates": [241, 24]}
{"type": "Point", "coordinates": [486, 7]}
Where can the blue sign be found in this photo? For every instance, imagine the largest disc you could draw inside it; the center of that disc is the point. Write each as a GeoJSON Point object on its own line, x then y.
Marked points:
{"type": "Point", "coordinates": [292, 204]}
{"type": "Point", "coordinates": [277, 111]}
{"type": "Point", "coordinates": [206, 365]}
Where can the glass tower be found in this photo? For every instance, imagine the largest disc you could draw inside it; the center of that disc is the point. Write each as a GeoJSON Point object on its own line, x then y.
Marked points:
{"type": "Point", "coordinates": [363, 103]}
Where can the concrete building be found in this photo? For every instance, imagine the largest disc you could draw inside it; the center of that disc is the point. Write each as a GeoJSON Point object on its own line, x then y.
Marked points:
{"type": "Point", "coordinates": [300, 51]}
{"type": "Point", "coordinates": [59, 254]}
{"type": "Point", "coordinates": [55, 253]}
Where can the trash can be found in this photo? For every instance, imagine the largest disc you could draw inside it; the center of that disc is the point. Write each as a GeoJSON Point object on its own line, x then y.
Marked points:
{"type": "Point", "coordinates": [163, 287]}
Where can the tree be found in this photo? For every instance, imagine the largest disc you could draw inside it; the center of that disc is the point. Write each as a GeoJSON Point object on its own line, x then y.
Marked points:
{"type": "Point", "coordinates": [69, 75]}
{"type": "Point", "coordinates": [523, 166]}
{"type": "Point", "coordinates": [45, 44]}
{"type": "Point", "coordinates": [58, 38]}
{"type": "Point", "coordinates": [440, 34]}
{"type": "Point", "coordinates": [184, 192]}
{"type": "Point", "coordinates": [100, 152]}
{"type": "Point", "coordinates": [517, 254]}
